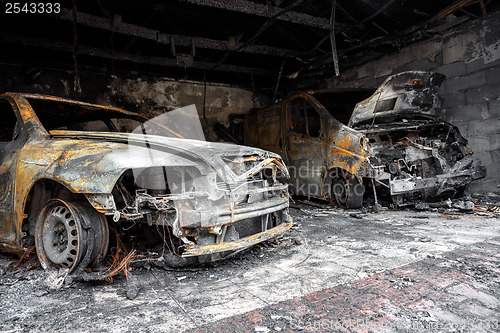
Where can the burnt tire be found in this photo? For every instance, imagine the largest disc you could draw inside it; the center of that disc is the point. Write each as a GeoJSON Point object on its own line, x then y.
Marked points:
{"type": "Point", "coordinates": [99, 230]}
{"type": "Point", "coordinates": [348, 191]}
{"type": "Point", "coordinates": [70, 235]}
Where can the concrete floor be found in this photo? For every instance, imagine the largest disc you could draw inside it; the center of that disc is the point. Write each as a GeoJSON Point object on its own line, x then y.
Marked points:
{"type": "Point", "coordinates": [334, 271]}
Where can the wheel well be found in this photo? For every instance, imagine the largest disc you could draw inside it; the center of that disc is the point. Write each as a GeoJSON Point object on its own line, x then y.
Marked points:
{"type": "Point", "coordinates": [42, 191]}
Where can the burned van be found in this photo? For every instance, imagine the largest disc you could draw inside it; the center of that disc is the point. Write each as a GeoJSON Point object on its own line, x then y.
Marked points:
{"type": "Point", "coordinates": [326, 159]}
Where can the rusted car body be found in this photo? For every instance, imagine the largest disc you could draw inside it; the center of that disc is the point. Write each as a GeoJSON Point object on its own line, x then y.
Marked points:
{"type": "Point", "coordinates": [423, 157]}
{"type": "Point", "coordinates": [326, 159]}
{"type": "Point", "coordinates": [70, 169]}
{"type": "Point", "coordinates": [393, 140]}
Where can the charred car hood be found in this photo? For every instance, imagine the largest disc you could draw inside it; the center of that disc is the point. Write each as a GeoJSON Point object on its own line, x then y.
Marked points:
{"type": "Point", "coordinates": [407, 95]}
{"type": "Point", "coordinates": [187, 147]}
{"type": "Point", "coordinates": [107, 155]}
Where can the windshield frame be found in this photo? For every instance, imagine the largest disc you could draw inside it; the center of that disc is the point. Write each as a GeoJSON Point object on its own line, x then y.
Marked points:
{"type": "Point", "coordinates": [107, 113]}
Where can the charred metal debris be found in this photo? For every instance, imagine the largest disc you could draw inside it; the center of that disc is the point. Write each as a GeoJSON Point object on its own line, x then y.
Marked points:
{"type": "Point", "coordinates": [73, 171]}
{"type": "Point", "coordinates": [422, 156]}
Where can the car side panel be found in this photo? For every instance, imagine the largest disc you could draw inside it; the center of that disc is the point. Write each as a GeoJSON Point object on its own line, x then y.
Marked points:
{"type": "Point", "coordinates": [8, 163]}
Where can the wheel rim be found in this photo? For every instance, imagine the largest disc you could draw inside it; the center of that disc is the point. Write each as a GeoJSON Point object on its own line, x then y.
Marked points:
{"type": "Point", "coordinates": [60, 239]}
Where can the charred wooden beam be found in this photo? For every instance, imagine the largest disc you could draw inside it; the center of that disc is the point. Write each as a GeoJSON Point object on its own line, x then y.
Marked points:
{"type": "Point", "coordinates": [163, 38]}
{"type": "Point", "coordinates": [421, 13]}
{"type": "Point", "coordinates": [452, 8]}
{"type": "Point", "coordinates": [483, 7]}
{"type": "Point", "coordinates": [252, 8]}
{"type": "Point", "coordinates": [128, 57]}
{"type": "Point", "coordinates": [380, 28]}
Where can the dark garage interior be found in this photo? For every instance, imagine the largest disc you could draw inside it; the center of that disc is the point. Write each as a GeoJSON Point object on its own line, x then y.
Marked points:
{"type": "Point", "coordinates": [259, 73]}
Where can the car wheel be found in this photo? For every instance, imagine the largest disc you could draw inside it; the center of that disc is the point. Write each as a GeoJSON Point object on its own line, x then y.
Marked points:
{"type": "Point", "coordinates": [99, 230]}
{"type": "Point", "coordinates": [348, 191]}
{"type": "Point", "coordinates": [70, 235]}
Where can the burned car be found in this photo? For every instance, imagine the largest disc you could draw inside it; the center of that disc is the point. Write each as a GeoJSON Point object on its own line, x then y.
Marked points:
{"type": "Point", "coordinates": [393, 140]}
{"type": "Point", "coordinates": [326, 159]}
{"type": "Point", "coordinates": [71, 171]}
{"type": "Point", "coordinates": [422, 156]}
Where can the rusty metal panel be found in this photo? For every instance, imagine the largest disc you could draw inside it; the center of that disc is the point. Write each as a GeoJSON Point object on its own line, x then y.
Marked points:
{"type": "Point", "coordinates": [239, 244]}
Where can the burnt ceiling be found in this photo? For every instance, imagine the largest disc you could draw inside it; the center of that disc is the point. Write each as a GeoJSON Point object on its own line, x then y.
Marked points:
{"type": "Point", "coordinates": [242, 42]}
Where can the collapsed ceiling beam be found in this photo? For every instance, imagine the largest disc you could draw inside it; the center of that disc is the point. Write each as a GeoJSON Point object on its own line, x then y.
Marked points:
{"type": "Point", "coordinates": [128, 57]}
{"type": "Point", "coordinates": [248, 7]}
{"type": "Point", "coordinates": [117, 26]}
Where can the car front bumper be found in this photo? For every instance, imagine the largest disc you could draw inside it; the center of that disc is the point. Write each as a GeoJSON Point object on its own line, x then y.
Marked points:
{"type": "Point", "coordinates": [242, 243]}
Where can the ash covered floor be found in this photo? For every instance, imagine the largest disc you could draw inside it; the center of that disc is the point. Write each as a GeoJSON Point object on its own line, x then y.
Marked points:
{"type": "Point", "coordinates": [396, 271]}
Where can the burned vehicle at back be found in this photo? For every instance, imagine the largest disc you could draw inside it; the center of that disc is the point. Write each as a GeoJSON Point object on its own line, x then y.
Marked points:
{"type": "Point", "coordinates": [326, 159]}
{"type": "Point", "coordinates": [422, 156]}
{"type": "Point", "coordinates": [73, 171]}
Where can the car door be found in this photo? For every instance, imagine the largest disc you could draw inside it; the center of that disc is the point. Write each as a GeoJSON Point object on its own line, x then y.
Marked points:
{"type": "Point", "coordinates": [305, 154]}
{"type": "Point", "coordinates": [9, 151]}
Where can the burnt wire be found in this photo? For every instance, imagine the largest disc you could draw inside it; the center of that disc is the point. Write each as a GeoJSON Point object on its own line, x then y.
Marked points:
{"type": "Point", "coordinates": [204, 95]}
{"type": "Point", "coordinates": [77, 88]}
{"type": "Point", "coordinates": [279, 79]}
{"type": "Point", "coordinates": [332, 39]}
{"type": "Point", "coordinates": [163, 235]}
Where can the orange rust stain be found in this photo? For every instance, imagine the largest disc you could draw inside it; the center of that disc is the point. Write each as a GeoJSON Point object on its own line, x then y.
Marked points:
{"type": "Point", "coordinates": [40, 154]}
{"type": "Point", "coordinates": [347, 154]}
{"type": "Point", "coordinates": [239, 244]}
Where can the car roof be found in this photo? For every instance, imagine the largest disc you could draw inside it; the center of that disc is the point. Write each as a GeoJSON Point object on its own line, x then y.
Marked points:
{"type": "Point", "coordinates": [69, 101]}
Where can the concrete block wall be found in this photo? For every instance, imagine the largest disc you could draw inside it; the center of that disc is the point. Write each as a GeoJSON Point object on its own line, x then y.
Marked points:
{"type": "Point", "coordinates": [469, 56]}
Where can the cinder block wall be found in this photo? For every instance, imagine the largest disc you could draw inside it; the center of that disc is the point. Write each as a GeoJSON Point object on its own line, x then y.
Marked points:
{"type": "Point", "coordinates": [470, 58]}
